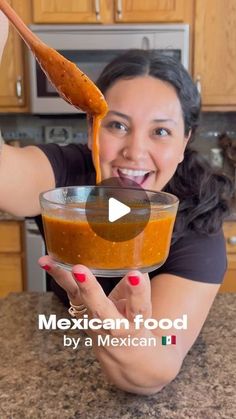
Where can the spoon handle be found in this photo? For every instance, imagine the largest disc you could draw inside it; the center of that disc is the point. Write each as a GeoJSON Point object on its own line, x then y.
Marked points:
{"type": "Point", "coordinates": [30, 39]}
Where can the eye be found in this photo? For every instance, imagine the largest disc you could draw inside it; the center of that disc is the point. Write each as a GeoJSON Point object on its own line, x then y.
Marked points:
{"type": "Point", "coordinates": [116, 125]}
{"type": "Point", "coordinates": [161, 132]}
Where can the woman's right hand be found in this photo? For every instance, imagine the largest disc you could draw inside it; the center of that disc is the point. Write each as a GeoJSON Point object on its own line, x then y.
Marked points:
{"type": "Point", "coordinates": [3, 32]}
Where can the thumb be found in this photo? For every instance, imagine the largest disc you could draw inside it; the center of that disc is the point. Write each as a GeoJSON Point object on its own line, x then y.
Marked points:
{"type": "Point", "coordinates": [138, 294]}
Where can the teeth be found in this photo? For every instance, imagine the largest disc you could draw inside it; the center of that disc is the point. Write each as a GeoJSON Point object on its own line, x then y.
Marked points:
{"type": "Point", "coordinates": [129, 172]}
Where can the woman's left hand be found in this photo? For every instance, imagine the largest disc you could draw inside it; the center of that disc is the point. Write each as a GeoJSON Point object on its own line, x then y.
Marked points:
{"type": "Point", "coordinates": [138, 368]}
{"type": "Point", "coordinates": [131, 296]}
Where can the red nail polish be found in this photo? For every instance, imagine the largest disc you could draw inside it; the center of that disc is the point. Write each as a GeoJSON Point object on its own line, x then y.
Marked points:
{"type": "Point", "coordinates": [133, 280]}
{"type": "Point", "coordinates": [79, 277]}
{"type": "Point", "coordinates": [46, 267]}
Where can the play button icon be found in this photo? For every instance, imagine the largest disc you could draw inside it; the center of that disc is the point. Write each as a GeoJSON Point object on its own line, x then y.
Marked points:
{"type": "Point", "coordinates": [117, 213]}
{"type": "Point", "coordinates": [116, 210]}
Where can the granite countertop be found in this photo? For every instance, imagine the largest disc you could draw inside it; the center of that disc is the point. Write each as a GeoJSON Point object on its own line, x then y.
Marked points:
{"type": "Point", "coordinates": [40, 378]}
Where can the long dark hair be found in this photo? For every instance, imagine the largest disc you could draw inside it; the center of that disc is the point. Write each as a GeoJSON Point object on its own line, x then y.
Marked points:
{"type": "Point", "coordinates": [203, 195]}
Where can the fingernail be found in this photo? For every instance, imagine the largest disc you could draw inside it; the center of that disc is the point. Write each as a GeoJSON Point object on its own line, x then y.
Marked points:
{"type": "Point", "coordinates": [79, 277]}
{"type": "Point", "coordinates": [46, 267]}
{"type": "Point", "coordinates": [133, 280]}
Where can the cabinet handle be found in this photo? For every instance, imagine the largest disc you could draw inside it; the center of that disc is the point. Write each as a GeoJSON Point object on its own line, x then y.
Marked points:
{"type": "Point", "coordinates": [97, 9]}
{"type": "Point", "coordinates": [119, 9]}
{"type": "Point", "coordinates": [19, 88]}
{"type": "Point", "coordinates": [232, 240]}
{"type": "Point", "coordinates": [198, 84]}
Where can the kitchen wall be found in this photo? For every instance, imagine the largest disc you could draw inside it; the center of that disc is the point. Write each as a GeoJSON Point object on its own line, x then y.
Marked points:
{"type": "Point", "coordinates": [211, 124]}
{"type": "Point", "coordinates": [206, 138]}
{"type": "Point", "coordinates": [30, 129]}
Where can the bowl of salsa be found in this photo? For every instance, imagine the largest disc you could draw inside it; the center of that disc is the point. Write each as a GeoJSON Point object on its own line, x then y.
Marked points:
{"type": "Point", "coordinates": [78, 230]}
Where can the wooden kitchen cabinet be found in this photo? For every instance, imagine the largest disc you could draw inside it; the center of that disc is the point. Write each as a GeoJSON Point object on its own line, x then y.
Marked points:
{"type": "Point", "coordinates": [13, 96]}
{"type": "Point", "coordinates": [111, 11]}
{"type": "Point", "coordinates": [72, 11]}
{"type": "Point", "coordinates": [229, 284]}
{"type": "Point", "coordinates": [154, 11]}
{"type": "Point", "coordinates": [12, 73]}
{"type": "Point", "coordinates": [11, 257]}
{"type": "Point", "coordinates": [215, 53]}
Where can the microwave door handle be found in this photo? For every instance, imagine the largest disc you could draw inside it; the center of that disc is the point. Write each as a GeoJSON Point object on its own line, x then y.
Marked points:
{"type": "Point", "coordinates": [145, 43]}
{"type": "Point", "coordinates": [97, 9]}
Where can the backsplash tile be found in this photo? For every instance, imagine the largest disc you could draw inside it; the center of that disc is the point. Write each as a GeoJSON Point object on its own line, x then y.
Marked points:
{"type": "Point", "coordinates": [30, 129]}
{"type": "Point", "coordinates": [206, 138]}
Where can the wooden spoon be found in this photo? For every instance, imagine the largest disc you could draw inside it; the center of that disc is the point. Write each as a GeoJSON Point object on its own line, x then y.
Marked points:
{"type": "Point", "coordinates": [70, 82]}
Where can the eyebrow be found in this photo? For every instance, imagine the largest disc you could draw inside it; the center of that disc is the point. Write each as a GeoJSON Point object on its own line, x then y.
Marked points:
{"type": "Point", "coordinates": [122, 115]}
{"type": "Point", "coordinates": [165, 120]}
{"type": "Point", "coordinates": [128, 118]}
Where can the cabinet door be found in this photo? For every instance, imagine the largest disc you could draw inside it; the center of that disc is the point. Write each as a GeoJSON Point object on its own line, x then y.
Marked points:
{"type": "Point", "coordinates": [72, 11]}
{"type": "Point", "coordinates": [10, 274]}
{"type": "Point", "coordinates": [11, 72]}
{"type": "Point", "coordinates": [229, 284]}
{"type": "Point", "coordinates": [10, 236]}
{"type": "Point", "coordinates": [151, 10]}
{"type": "Point", "coordinates": [215, 52]}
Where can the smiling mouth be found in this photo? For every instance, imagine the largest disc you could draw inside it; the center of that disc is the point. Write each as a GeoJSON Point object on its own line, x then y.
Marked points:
{"type": "Point", "coordinates": [137, 176]}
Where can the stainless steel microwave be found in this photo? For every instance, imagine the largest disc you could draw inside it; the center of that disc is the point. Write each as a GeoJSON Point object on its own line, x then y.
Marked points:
{"type": "Point", "coordinates": [91, 47]}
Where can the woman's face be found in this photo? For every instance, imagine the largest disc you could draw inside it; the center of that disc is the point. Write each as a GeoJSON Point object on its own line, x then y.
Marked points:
{"type": "Point", "coordinates": [142, 136]}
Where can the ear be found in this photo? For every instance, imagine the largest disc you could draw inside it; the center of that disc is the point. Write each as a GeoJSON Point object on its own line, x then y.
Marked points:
{"type": "Point", "coordinates": [185, 142]}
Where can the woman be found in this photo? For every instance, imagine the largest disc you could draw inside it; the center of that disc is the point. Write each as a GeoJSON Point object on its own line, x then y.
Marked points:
{"type": "Point", "coordinates": [153, 112]}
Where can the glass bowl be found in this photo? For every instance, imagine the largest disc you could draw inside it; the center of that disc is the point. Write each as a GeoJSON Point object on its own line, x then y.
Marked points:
{"type": "Point", "coordinates": [78, 231]}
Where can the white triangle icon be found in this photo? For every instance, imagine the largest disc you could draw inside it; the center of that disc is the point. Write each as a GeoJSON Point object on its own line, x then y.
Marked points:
{"type": "Point", "coordinates": [116, 209]}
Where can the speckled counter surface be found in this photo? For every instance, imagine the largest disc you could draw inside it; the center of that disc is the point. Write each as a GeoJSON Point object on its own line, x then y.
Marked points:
{"type": "Point", "coordinates": [40, 378]}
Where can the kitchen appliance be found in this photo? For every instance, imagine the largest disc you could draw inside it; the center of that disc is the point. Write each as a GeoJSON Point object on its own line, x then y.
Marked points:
{"type": "Point", "coordinates": [216, 158]}
{"type": "Point", "coordinates": [91, 47]}
{"type": "Point", "coordinates": [58, 134]}
{"type": "Point", "coordinates": [35, 248]}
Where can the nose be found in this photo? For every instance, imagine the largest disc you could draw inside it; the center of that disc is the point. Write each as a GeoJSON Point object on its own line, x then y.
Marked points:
{"type": "Point", "coordinates": [135, 148]}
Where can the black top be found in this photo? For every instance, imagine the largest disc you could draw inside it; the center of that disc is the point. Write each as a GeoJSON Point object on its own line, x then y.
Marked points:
{"type": "Point", "coordinates": [197, 257]}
